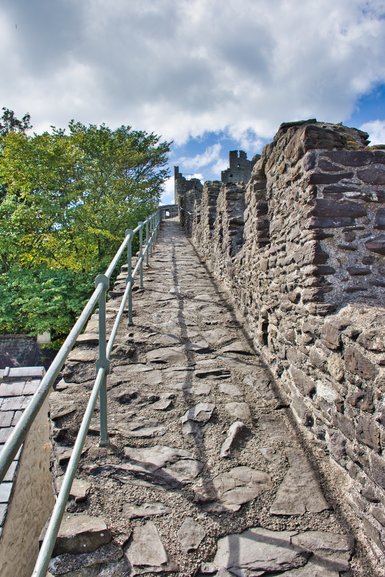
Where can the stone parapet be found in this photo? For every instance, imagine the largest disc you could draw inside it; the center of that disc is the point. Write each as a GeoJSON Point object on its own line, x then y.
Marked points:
{"type": "Point", "coordinates": [305, 266]}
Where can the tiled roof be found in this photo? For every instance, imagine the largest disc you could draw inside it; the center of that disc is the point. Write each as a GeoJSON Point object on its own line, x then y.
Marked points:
{"type": "Point", "coordinates": [17, 385]}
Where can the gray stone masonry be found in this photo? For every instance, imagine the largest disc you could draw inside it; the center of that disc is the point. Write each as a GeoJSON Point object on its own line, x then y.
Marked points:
{"type": "Point", "coordinates": [206, 474]}
{"type": "Point", "coordinates": [18, 351]}
{"type": "Point", "coordinates": [306, 272]}
{"type": "Point", "coordinates": [183, 184]}
{"type": "Point", "coordinates": [239, 167]}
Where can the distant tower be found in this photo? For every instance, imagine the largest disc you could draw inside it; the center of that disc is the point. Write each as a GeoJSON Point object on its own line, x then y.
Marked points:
{"type": "Point", "coordinates": [183, 185]}
{"type": "Point", "coordinates": [240, 168]}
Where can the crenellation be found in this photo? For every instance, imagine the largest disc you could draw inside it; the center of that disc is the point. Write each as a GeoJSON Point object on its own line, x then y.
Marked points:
{"type": "Point", "coordinates": [307, 277]}
{"type": "Point", "coordinates": [240, 167]}
{"type": "Point", "coordinates": [183, 185]}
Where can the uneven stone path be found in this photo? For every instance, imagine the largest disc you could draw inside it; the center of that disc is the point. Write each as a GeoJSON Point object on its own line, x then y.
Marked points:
{"type": "Point", "coordinates": [205, 474]}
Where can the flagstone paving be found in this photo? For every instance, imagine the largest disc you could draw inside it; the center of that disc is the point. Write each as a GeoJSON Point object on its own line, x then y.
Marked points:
{"type": "Point", "coordinates": [205, 474]}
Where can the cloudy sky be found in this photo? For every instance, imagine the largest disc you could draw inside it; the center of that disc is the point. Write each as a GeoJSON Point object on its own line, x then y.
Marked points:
{"type": "Point", "coordinates": [211, 75]}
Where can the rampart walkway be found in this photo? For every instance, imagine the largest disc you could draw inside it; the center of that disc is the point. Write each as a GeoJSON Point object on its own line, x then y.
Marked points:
{"type": "Point", "coordinates": [205, 474]}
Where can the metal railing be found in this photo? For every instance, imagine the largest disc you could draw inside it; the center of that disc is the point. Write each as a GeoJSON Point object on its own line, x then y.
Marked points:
{"type": "Point", "coordinates": [148, 233]}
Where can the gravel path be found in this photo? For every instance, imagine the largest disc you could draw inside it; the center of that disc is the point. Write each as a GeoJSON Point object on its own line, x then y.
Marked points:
{"type": "Point", "coordinates": [205, 474]}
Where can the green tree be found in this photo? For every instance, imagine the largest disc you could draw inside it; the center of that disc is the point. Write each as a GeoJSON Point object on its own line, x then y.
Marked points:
{"type": "Point", "coordinates": [37, 300]}
{"type": "Point", "coordinates": [70, 196]}
{"type": "Point", "coordinates": [10, 123]}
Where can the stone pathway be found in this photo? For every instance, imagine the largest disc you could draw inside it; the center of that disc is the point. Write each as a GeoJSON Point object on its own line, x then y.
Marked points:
{"type": "Point", "coordinates": [205, 475]}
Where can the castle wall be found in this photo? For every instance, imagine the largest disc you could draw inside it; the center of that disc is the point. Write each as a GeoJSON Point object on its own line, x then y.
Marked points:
{"type": "Point", "coordinates": [182, 185]}
{"type": "Point", "coordinates": [306, 273]}
{"type": "Point", "coordinates": [240, 168]}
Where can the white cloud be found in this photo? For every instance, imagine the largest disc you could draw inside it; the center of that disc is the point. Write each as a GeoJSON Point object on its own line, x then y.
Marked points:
{"type": "Point", "coordinates": [209, 156]}
{"type": "Point", "coordinates": [376, 130]}
{"type": "Point", "coordinates": [217, 168]}
{"type": "Point", "coordinates": [197, 175]}
{"type": "Point", "coordinates": [248, 141]}
{"type": "Point", "coordinates": [192, 66]}
{"type": "Point", "coordinates": [168, 193]}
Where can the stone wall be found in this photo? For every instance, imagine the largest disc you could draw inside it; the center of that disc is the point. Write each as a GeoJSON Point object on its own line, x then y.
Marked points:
{"type": "Point", "coordinates": [31, 504]}
{"type": "Point", "coordinates": [19, 351]}
{"type": "Point", "coordinates": [220, 225]}
{"type": "Point", "coordinates": [306, 272]}
{"type": "Point", "coordinates": [203, 222]}
{"type": "Point", "coordinates": [183, 184]}
{"type": "Point", "coordinates": [239, 167]}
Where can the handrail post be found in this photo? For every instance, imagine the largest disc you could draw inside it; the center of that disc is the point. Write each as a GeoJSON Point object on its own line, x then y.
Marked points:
{"type": "Point", "coordinates": [141, 253]}
{"type": "Point", "coordinates": [129, 274]}
{"type": "Point", "coordinates": [147, 256]}
{"type": "Point", "coordinates": [151, 233]}
{"type": "Point", "coordinates": [103, 362]}
{"type": "Point", "coordinates": [156, 225]}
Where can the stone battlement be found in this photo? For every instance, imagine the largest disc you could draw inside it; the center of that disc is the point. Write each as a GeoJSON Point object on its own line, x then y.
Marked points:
{"type": "Point", "coordinates": [301, 248]}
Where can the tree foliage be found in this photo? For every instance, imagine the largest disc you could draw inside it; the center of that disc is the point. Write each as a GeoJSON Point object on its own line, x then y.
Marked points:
{"type": "Point", "coordinates": [69, 195]}
{"type": "Point", "coordinates": [10, 123]}
{"type": "Point", "coordinates": [40, 299]}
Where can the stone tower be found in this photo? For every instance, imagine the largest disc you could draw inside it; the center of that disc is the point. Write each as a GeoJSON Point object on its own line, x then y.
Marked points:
{"type": "Point", "coordinates": [240, 168]}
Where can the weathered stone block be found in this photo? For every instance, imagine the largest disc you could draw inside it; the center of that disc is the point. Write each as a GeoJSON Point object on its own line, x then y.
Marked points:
{"type": "Point", "coordinates": [377, 465]}
{"type": "Point", "coordinates": [355, 289]}
{"type": "Point", "coordinates": [372, 533]}
{"type": "Point", "coordinates": [324, 270]}
{"type": "Point", "coordinates": [302, 411]}
{"type": "Point", "coordinates": [358, 270]}
{"type": "Point", "coordinates": [331, 336]}
{"type": "Point", "coordinates": [326, 165]}
{"type": "Point", "coordinates": [377, 244]}
{"type": "Point", "coordinates": [294, 356]}
{"type": "Point", "coordinates": [378, 514]}
{"type": "Point", "coordinates": [359, 365]}
{"type": "Point", "coordinates": [379, 221]}
{"type": "Point", "coordinates": [331, 137]}
{"type": "Point", "coordinates": [321, 309]}
{"type": "Point", "coordinates": [318, 358]}
{"type": "Point", "coordinates": [362, 400]}
{"type": "Point", "coordinates": [336, 367]}
{"type": "Point", "coordinates": [331, 222]}
{"type": "Point", "coordinates": [328, 208]}
{"type": "Point", "coordinates": [302, 381]}
{"type": "Point", "coordinates": [310, 253]}
{"type": "Point", "coordinates": [371, 493]}
{"type": "Point", "coordinates": [367, 432]}
{"type": "Point", "coordinates": [337, 445]}
{"type": "Point", "coordinates": [346, 246]}
{"type": "Point", "coordinates": [372, 175]}
{"type": "Point", "coordinates": [338, 191]}
{"type": "Point", "coordinates": [310, 160]}
{"type": "Point", "coordinates": [326, 392]}
{"type": "Point", "coordinates": [81, 534]}
{"type": "Point", "coordinates": [373, 339]}
{"type": "Point", "coordinates": [345, 425]}
{"type": "Point", "coordinates": [326, 178]}
{"type": "Point", "coordinates": [355, 158]}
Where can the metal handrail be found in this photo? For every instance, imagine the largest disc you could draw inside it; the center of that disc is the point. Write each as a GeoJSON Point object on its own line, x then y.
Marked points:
{"type": "Point", "coordinates": [98, 297]}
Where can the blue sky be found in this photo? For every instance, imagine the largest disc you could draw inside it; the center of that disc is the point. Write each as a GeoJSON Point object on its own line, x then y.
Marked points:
{"type": "Point", "coordinates": [206, 156]}
{"type": "Point", "coordinates": [210, 75]}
